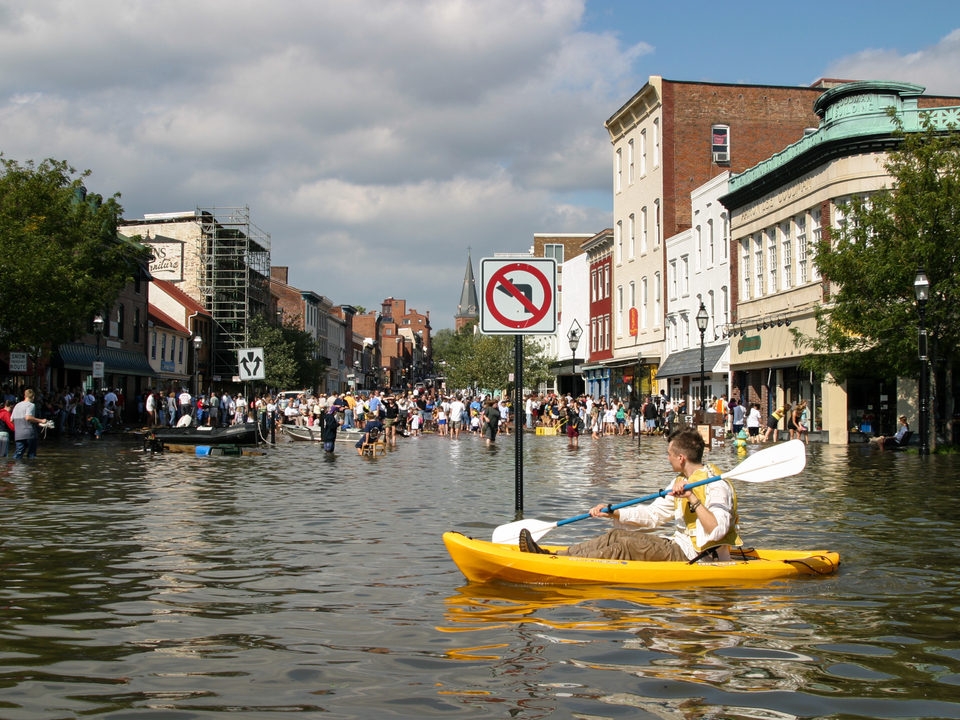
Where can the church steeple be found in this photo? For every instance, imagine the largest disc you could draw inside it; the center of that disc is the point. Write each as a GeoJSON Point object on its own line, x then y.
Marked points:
{"type": "Point", "coordinates": [469, 307]}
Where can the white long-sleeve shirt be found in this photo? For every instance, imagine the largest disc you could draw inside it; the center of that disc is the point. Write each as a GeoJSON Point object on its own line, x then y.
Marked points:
{"type": "Point", "coordinates": [719, 497]}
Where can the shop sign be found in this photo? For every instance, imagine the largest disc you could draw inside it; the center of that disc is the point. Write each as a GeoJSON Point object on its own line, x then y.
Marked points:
{"type": "Point", "coordinates": [167, 261]}
{"type": "Point", "coordinates": [747, 344]}
{"type": "Point", "coordinates": [167, 366]}
{"type": "Point", "coordinates": [634, 322]}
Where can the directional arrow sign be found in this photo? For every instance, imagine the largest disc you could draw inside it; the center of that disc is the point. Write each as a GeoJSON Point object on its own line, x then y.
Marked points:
{"type": "Point", "coordinates": [251, 365]}
{"type": "Point", "coordinates": [518, 296]}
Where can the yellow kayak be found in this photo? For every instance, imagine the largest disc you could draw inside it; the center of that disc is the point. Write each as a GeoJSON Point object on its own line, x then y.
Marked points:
{"type": "Point", "coordinates": [482, 561]}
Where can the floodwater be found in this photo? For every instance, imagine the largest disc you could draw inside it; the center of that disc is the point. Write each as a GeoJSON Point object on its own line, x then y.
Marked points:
{"type": "Point", "coordinates": [174, 586]}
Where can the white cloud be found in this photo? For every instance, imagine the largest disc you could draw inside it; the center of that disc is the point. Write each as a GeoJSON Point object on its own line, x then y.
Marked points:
{"type": "Point", "coordinates": [936, 67]}
{"type": "Point", "coordinates": [386, 133]}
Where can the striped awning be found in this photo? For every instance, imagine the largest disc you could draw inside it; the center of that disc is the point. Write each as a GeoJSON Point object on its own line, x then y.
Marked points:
{"type": "Point", "coordinates": [77, 356]}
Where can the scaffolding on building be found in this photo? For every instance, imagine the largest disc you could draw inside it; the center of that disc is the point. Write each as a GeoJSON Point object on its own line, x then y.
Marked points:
{"type": "Point", "coordinates": [233, 278]}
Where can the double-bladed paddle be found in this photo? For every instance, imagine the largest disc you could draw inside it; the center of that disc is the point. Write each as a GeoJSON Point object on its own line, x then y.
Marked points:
{"type": "Point", "coordinates": [774, 463]}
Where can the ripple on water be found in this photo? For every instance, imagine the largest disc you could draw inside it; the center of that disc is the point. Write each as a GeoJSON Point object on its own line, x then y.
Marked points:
{"type": "Point", "coordinates": [137, 585]}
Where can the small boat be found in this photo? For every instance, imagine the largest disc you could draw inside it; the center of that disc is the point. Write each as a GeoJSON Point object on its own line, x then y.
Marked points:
{"type": "Point", "coordinates": [482, 561]}
{"type": "Point", "coordinates": [245, 434]}
{"type": "Point", "coordinates": [303, 432]}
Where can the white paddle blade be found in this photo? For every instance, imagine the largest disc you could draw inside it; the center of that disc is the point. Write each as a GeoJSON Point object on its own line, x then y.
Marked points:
{"type": "Point", "coordinates": [509, 534]}
{"type": "Point", "coordinates": [776, 462]}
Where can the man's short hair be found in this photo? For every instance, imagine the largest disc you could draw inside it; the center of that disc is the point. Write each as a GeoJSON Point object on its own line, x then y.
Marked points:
{"type": "Point", "coordinates": [688, 442]}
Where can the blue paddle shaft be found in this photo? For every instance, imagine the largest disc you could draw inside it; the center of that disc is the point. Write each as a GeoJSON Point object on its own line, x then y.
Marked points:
{"type": "Point", "coordinates": [628, 503]}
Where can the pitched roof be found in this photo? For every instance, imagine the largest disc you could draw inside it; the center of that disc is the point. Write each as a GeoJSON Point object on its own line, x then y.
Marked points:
{"type": "Point", "coordinates": [159, 317]}
{"type": "Point", "coordinates": [181, 297]}
{"type": "Point", "coordinates": [469, 303]}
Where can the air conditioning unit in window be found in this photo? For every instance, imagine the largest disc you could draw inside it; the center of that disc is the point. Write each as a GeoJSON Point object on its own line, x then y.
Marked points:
{"type": "Point", "coordinates": [721, 157]}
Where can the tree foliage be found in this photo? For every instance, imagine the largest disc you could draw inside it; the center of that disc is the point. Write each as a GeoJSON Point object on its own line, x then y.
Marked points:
{"type": "Point", "coordinates": [61, 261]}
{"type": "Point", "coordinates": [486, 361]}
{"type": "Point", "coordinates": [288, 354]}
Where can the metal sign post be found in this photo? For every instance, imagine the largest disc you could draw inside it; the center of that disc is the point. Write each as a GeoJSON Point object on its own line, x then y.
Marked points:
{"type": "Point", "coordinates": [519, 298]}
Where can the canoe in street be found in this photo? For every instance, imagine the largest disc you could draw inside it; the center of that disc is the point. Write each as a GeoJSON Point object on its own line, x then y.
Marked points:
{"type": "Point", "coordinates": [482, 561]}
{"type": "Point", "coordinates": [303, 432]}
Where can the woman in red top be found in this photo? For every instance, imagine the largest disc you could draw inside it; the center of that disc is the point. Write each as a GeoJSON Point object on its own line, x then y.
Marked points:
{"type": "Point", "coordinates": [6, 428]}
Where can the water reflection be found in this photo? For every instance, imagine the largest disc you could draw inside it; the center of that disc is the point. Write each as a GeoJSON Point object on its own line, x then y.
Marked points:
{"type": "Point", "coordinates": [152, 586]}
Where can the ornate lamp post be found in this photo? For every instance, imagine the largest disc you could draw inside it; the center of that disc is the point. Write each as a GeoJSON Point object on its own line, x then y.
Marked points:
{"type": "Point", "coordinates": [197, 341]}
{"type": "Point", "coordinates": [921, 287]}
{"type": "Point", "coordinates": [702, 319]}
{"type": "Point", "coordinates": [98, 331]}
{"type": "Point", "coordinates": [573, 337]}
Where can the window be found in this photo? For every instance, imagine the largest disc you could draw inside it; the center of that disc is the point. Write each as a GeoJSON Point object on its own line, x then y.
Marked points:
{"type": "Point", "coordinates": [656, 237]}
{"type": "Point", "coordinates": [685, 276]}
{"type": "Point", "coordinates": [712, 309]}
{"type": "Point", "coordinates": [745, 246]}
{"type": "Point", "coordinates": [724, 239]}
{"type": "Point", "coordinates": [620, 310]}
{"type": "Point", "coordinates": [643, 231]}
{"type": "Point", "coordinates": [643, 153]}
{"type": "Point", "coordinates": [136, 325]}
{"type": "Point", "coordinates": [656, 142]}
{"type": "Point", "coordinates": [153, 346]}
{"type": "Point", "coordinates": [643, 301]}
{"type": "Point", "coordinates": [120, 323]}
{"type": "Point", "coordinates": [787, 255]}
{"type": "Point", "coordinates": [685, 332]}
{"type": "Point", "coordinates": [815, 230]}
{"type": "Point", "coordinates": [673, 279]}
{"type": "Point", "coordinates": [772, 259]}
{"type": "Point", "coordinates": [137, 280]}
{"type": "Point", "coordinates": [593, 335]}
{"type": "Point", "coordinates": [630, 162]}
{"type": "Point", "coordinates": [725, 307]}
{"type": "Point", "coordinates": [619, 170]}
{"type": "Point", "coordinates": [163, 349]}
{"type": "Point", "coordinates": [720, 143]}
{"type": "Point", "coordinates": [758, 268]}
{"type": "Point", "coordinates": [180, 356]}
{"type": "Point", "coordinates": [633, 236]}
{"type": "Point", "coordinates": [619, 243]}
{"type": "Point", "coordinates": [606, 281]}
{"type": "Point", "coordinates": [605, 333]}
{"type": "Point", "coordinates": [699, 247]}
{"type": "Point", "coordinates": [658, 292]}
{"type": "Point", "coordinates": [711, 258]}
{"type": "Point", "coordinates": [388, 331]}
{"type": "Point", "coordinates": [801, 221]}
{"type": "Point", "coordinates": [633, 293]}
{"type": "Point", "coordinates": [554, 251]}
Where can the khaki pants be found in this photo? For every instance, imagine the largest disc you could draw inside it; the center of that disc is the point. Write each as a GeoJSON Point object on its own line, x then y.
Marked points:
{"type": "Point", "coordinates": [628, 545]}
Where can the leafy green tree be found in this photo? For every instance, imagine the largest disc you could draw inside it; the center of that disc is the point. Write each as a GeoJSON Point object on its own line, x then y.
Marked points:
{"type": "Point", "coordinates": [869, 324]}
{"type": "Point", "coordinates": [288, 354]}
{"type": "Point", "coordinates": [486, 361]}
{"type": "Point", "coordinates": [61, 261]}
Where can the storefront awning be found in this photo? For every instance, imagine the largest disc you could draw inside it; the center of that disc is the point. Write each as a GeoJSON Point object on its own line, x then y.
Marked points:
{"type": "Point", "coordinates": [77, 356]}
{"type": "Point", "coordinates": [622, 362]}
{"type": "Point", "coordinates": [687, 362]}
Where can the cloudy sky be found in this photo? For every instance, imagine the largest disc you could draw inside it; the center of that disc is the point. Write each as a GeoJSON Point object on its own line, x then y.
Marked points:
{"type": "Point", "coordinates": [376, 140]}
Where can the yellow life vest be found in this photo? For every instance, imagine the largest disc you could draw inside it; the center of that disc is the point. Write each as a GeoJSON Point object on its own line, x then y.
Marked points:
{"type": "Point", "coordinates": [690, 517]}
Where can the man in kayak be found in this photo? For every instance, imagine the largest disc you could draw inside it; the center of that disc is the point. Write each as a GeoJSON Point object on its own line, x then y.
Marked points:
{"type": "Point", "coordinates": [705, 517]}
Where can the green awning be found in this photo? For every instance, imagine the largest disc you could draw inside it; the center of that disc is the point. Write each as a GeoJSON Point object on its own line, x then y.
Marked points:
{"type": "Point", "coordinates": [77, 356]}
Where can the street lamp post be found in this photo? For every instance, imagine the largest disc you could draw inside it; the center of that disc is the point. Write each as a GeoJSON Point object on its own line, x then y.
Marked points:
{"type": "Point", "coordinates": [98, 331]}
{"type": "Point", "coordinates": [197, 340]}
{"type": "Point", "coordinates": [639, 408]}
{"type": "Point", "coordinates": [921, 287]}
{"type": "Point", "coordinates": [702, 319]}
{"type": "Point", "coordinates": [573, 337]}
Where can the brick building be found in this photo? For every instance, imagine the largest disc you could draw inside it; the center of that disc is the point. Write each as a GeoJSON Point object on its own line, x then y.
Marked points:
{"type": "Point", "coordinates": [669, 139]}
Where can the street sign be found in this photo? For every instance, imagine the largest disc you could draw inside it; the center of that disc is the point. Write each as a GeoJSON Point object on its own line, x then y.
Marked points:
{"type": "Point", "coordinates": [18, 362]}
{"type": "Point", "coordinates": [251, 364]}
{"type": "Point", "coordinates": [98, 369]}
{"type": "Point", "coordinates": [519, 296]}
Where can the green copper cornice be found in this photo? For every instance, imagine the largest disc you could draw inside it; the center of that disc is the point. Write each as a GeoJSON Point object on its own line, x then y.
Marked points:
{"type": "Point", "coordinates": [854, 120]}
